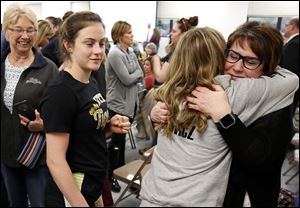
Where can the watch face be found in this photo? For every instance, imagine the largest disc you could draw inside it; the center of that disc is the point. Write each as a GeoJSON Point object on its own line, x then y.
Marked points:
{"type": "Point", "coordinates": [227, 121]}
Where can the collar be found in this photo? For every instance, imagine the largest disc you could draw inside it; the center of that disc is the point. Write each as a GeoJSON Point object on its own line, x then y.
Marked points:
{"type": "Point", "coordinates": [39, 60]}
{"type": "Point", "coordinates": [291, 37]}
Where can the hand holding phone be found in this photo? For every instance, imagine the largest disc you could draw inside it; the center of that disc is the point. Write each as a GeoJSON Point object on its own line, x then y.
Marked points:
{"type": "Point", "coordinates": [25, 109]}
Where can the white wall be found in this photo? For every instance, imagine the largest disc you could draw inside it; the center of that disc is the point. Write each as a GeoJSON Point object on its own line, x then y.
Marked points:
{"type": "Point", "coordinates": [48, 8]}
{"type": "Point", "coordinates": [136, 13]}
{"type": "Point", "coordinates": [224, 16]}
{"type": "Point", "coordinates": [273, 8]}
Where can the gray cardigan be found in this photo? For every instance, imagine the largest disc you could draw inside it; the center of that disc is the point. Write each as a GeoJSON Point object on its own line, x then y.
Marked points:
{"type": "Point", "coordinates": [123, 73]}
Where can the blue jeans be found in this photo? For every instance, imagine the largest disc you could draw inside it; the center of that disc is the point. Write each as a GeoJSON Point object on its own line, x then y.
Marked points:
{"type": "Point", "coordinates": [22, 181]}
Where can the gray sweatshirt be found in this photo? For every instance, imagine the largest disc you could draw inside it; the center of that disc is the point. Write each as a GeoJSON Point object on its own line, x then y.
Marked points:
{"type": "Point", "coordinates": [193, 169]}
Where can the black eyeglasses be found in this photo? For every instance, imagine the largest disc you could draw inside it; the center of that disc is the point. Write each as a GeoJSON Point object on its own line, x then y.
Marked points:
{"type": "Point", "coordinates": [250, 63]}
{"type": "Point", "coordinates": [20, 31]}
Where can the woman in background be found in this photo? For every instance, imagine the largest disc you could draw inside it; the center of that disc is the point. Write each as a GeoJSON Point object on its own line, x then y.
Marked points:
{"type": "Point", "coordinates": [44, 33]}
{"type": "Point", "coordinates": [155, 38]}
{"type": "Point", "coordinates": [160, 65]}
{"type": "Point", "coordinates": [123, 74]}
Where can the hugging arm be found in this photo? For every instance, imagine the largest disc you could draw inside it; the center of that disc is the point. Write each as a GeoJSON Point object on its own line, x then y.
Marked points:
{"type": "Point", "coordinates": [267, 135]}
{"type": "Point", "coordinates": [260, 145]}
{"type": "Point", "coordinates": [252, 98]}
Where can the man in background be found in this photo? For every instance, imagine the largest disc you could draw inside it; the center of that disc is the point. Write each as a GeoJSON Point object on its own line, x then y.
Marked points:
{"type": "Point", "coordinates": [290, 54]}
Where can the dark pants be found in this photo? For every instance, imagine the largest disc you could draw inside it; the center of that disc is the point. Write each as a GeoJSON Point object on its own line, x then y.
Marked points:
{"type": "Point", "coordinates": [106, 194]}
{"type": "Point", "coordinates": [22, 181]}
{"type": "Point", "coordinates": [4, 198]}
{"type": "Point", "coordinates": [116, 149]}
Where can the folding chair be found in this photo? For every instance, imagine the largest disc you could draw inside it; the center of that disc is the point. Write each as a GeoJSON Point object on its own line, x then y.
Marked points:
{"type": "Point", "coordinates": [132, 174]}
{"type": "Point", "coordinates": [294, 159]}
{"type": "Point", "coordinates": [141, 94]}
{"type": "Point", "coordinates": [131, 139]}
{"type": "Point", "coordinates": [294, 165]}
{"type": "Point", "coordinates": [146, 105]}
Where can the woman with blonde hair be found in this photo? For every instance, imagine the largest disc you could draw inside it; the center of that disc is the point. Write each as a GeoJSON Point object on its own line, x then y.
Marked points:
{"type": "Point", "coordinates": [44, 33]}
{"type": "Point", "coordinates": [25, 73]}
{"type": "Point", "coordinates": [123, 72]}
{"type": "Point", "coordinates": [191, 162]}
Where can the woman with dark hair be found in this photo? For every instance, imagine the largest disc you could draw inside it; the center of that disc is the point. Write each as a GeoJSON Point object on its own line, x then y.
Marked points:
{"type": "Point", "coordinates": [155, 38]}
{"type": "Point", "coordinates": [258, 148]}
{"type": "Point", "coordinates": [160, 65]}
{"type": "Point", "coordinates": [75, 131]}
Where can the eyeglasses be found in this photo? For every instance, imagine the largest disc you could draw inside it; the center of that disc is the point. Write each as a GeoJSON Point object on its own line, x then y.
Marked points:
{"type": "Point", "coordinates": [250, 63]}
{"type": "Point", "coordinates": [20, 31]}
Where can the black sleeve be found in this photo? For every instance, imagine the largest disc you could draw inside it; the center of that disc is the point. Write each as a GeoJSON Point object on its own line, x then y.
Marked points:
{"type": "Point", "coordinates": [51, 51]}
{"type": "Point", "coordinates": [263, 143]}
{"type": "Point", "coordinates": [290, 58]}
{"type": "Point", "coordinates": [58, 107]}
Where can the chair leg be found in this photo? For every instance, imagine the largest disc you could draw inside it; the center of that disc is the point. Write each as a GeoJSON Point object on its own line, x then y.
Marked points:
{"type": "Point", "coordinates": [131, 138]}
{"type": "Point", "coordinates": [121, 197]}
{"type": "Point", "coordinates": [293, 176]}
{"type": "Point", "coordinates": [288, 170]}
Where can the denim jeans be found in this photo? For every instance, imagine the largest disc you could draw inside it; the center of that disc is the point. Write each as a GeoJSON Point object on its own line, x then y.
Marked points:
{"type": "Point", "coordinates": [22, 182]}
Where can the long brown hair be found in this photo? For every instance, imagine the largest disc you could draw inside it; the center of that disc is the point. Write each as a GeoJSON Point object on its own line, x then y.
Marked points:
{"type": "Point", "coordinates": [198, 58]}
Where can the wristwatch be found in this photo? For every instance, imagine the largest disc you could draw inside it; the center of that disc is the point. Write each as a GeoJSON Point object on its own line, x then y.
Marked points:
{"type": "Point", "coordinates": [227, 121]}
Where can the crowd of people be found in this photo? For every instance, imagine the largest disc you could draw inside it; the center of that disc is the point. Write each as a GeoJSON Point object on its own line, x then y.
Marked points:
{"type": "Point", "coordinates": [216, 106]}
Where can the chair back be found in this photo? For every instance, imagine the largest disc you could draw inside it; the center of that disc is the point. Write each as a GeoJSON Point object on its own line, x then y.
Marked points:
{"type": "Point", "coordinates": [132, 173]}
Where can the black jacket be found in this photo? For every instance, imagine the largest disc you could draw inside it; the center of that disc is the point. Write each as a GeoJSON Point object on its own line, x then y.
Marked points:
{"type": "Point", "coordinates": [290, 60]}
{"type": "Point", "coordinates": [258, 154]}
{"type": "Point", "coordinates": [290, 55]}
{"type": "Point", "coordinates": [30, 86]}
{"type": "Point", "coordinates": [52, 51]}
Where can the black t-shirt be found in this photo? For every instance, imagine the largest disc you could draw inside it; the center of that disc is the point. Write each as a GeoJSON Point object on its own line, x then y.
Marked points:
{"type": "Point", "coordinates": [99, 76]}
{"type": "Point", "coordinates": [79, 109]}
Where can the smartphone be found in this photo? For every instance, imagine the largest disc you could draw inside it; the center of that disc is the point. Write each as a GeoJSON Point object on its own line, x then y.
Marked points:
{"type": "Point", "coordinates": [25, 109]}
